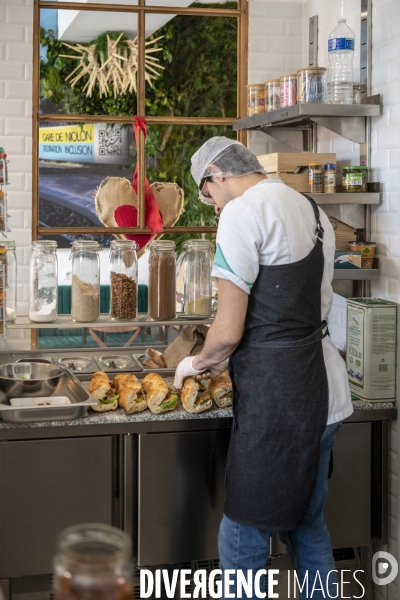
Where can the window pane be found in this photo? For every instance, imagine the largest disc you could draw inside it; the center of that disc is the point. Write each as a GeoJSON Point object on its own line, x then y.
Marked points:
{"type": "Point", "coordinates": [131, 2]}
{"type": "Point", "coordinates": [199, 60]}
{"type": "Point", "coordinates": [73, 161]}
{"type": "Point", "coordinates": [199, 4]}
{"type": "Point", "coordinates": [92, 81]}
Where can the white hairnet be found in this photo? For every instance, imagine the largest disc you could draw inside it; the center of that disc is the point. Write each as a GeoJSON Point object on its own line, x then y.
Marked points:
{"type": "Point", "coordinates": [223, 157]}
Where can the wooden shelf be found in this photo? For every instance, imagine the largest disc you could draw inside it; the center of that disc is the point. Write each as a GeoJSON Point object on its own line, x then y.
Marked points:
{"type": "Point", "coordinates": [346, 198]}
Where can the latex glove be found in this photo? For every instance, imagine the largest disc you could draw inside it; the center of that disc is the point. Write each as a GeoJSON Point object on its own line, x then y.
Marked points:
{"type": "Point", "coordinates": [218, 369]}
{"type": "Point", "coordinates": [184, 369]}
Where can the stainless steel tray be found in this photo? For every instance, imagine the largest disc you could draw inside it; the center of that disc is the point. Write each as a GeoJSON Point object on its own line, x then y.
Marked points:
{"type": "Point", "coordinates": [117, 362]}
{"type": "Point", "coordinates": [145, 369]}
{"type": "Point", "coordinates": [76, 363]}
{"type": "Point", "coordinates": [69, 386]}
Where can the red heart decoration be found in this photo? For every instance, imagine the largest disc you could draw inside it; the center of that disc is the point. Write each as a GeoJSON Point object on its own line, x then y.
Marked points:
{"type": "Point", "coordinates": [126, 216]}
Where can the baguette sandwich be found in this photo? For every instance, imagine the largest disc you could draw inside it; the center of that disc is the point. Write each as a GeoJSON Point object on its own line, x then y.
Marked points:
{"type": "Point", "coordinates": [102, 391]}
{"type": "Point", "coordinates": [221, 390]}
{"type": "Point", "coordinates": [159, 397]}
{"type": "Point", "coordinates": [195, 396]}
{"type": "Point", "coordinates": [131, 395]}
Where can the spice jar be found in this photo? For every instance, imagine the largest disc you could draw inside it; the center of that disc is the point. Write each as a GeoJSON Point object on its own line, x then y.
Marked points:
{"type": "Point", "coordinates": [85, 305]}
{"type": "Point", "coordinates": [93, 562]}
{"type": "Point", "coordinates": [3, 166]}
{"type": "Point", "coordinates": [355, 179]}
{"type": "Point", "coordinates": [311, 84]}
{"type": "Point", "coordinates": [315, 177]}
{"type": "Point", "coordinates": [10, 265]}
{"type": "Point", "coordinates": [255, 99]}
{"type": "Point", "coordinates": [288, 89]}
{"type": "Point", "coordinates": [43, 278]}
{"type": "Point", "coordinates": [329, 178]}
{"type": "Point", "coordinates": [162, 280]}
{"type": "Point", "coordinates": [123, 272]}
{"type": "Point", "coordinates": [197, 278]}
{"type": "Point", "coordinates": [272, 94]}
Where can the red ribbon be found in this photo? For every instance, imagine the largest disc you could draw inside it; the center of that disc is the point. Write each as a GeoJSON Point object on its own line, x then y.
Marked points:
{"type": "Point", "coordinates": [126, 215]}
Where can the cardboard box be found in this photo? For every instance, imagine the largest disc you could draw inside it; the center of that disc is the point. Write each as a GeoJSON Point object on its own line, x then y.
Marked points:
{"type": "Point", "coordinates": [291, 162]}
{"type": "Point", "coordinates": [344, 259]}
{"type": "Point", "coordinates": [343, 233]}
{"type": "Point", "coordinates": [371, 348]}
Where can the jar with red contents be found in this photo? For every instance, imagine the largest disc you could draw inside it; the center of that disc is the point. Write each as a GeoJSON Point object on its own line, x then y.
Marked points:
{"type": "Point", "coordinates": [288, 85]}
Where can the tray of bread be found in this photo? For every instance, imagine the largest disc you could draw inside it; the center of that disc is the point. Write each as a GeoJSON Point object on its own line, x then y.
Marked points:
{"type": "Point", "coordinates": [157, 393]}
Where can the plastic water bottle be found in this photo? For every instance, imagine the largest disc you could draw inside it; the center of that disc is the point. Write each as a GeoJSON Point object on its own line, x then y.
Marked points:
{"type": "Point", "coordinates": [340, 65]}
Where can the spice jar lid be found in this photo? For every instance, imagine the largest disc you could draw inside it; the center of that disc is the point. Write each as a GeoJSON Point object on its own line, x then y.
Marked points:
{"type": "Point", "coordinates": [124, 245]}
{"type": "Point", "coordinates": [271, 81]}
{"type": "Point", "coordinates": [329, 166]}
{"type": "Point", "coordinates": [9, 244]}
{"type": "Point", "coordinates": [315, 164]}
{"type": "Point", "coordinates": [162, 245]}
{"type": "Point", "coordinates": [359, 167]}
{"type": "Point", "coordinates": [86, 245]}
{"type": "Point", "coordinates": [44, 244]}
{"type": "Point", "coordinates": [197, 244]}
{"type": "Point", "coordinates": [288, 75]}
{"type": "Point", "coordinates": [311, 69]}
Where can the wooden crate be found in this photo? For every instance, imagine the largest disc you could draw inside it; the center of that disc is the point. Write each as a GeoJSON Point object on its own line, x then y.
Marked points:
{"type": "Point", "coordinates": [288, 162]}
{"type": "Point", "coordinates": [297, 181]}
{"type": "Point", "coordinates": [343, 233]}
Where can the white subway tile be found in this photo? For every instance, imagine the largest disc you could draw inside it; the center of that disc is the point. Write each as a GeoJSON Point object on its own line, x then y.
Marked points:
{"type": "Point", "coordinates": [380, 32]}
{"type": "Point", "coordinates": [21, 200]}
{"type": "Point", "coordinates": [388, 137]}
{"type": "Point", "coordinates": [2, 125]}
{"type": "Point", "coordinates": [16, 180]}
{"type": "Point", "coordinates": [394, 71]}
{"type": "Point", "coordinates": [387, 223]}
{"type": "Point", "coordinates": [387, 11]}
{"type": "Point", "coordinates": [383, 243]}
{"type": "Point", "coordinates": [393, 245]}
{"type": "Point", "coordinates": [19, 52]}
{"type": "Point", "coordinates": [28, 145]}
{"type": "Point", "coordinates": [28, 34]}
{"type": "Point", "coordinates": [21, 164]}
{"type": "Point", "coordinates": [18, 89]}
{"type": "Point", "coordinates": [383, 206]}
{"type": "Point", "coordinates": [292, 62]}
{"type": "Point", "coordinates": [394, 114]}
{"type": "Point", "coordinates": [267, 27]}
{"type": "Point", "coordinates": [16, 219]}
{"type": "Point", "coordinates": [21, 15]}
{"type": "Point", "coordinates": [27, 219]}
{"type": "Point", "coordinates": [258, 8]}
{"type": "Point", "coordinates": [257, 44]}
{"type": "Point", "coordinates": [11, 70]}
{"type": "Point", "coordinates": [28, 182]}
{"type": "Point", "coordinates": [285, 10]}
{"type": "Point", "coordinates": [22, 237]}
{"type": "Point", "coordinates": [389, 51]}
{"type": "Point", "coordinates": [12, 108]}
{"type": "Point", "coordinates": [394, 202]}
{"type": "Point", "coordinates": [389, 180]}
{"type": "Point", "coordinates": [285, 45]}
{"type": "Point", "coordinates": [292, 28]}
{"type": "Point", "coordinates": [11, 33]}
{"type": "Point", "coordinates": [380, 159]}
{"type": "Point", "coordinates": [388, 267]}
{"type": "Point", "coordinates": [28, 71]}
{"type": "Point", "coordinates": [18, 126]}
{"type": "Point", "coordinates": [28, 108]}
{"type": "Point", "coordinates": [14, 145]}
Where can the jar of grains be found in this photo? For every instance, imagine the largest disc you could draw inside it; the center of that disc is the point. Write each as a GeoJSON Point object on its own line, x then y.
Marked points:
{"type": "Point", "coordinates": [311, 84]}
{"type": "Point", "coordinates": [315, 177]}
{"type": "Point", "coordinates": [162, 280]}
{"type": "Point", "coordinates": [329, 178]}
{"type": "Point", "coordinates": [85, 306]}
{"type": "Point", "coordinates": [123, 273]}
{"type": "Point", "coordinates": [93, 562]}
{"type": "Point", "coordinates": [43, 282]}
{"type": "Point", "coordinates": [10, 279]}
{"type": "Point", "coordinates": [272, 94]}
{"type": "Point", "coordinates": [197, 278]}
{"type": "Point", "coordinates": [255, 99]}
{"type": "Point", "coordinates": [288, 89]}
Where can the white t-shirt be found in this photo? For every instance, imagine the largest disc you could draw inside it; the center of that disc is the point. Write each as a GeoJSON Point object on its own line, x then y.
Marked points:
{"type": "Point", "coordinates": [272, 224]}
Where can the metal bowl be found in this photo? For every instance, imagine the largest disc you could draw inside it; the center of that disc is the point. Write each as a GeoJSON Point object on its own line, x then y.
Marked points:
{"type": "Point", "coordinates": [29, 379]}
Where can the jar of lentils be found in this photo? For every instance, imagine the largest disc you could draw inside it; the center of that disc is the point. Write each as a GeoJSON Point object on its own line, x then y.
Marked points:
{"type": "Point", "coordinates": [123, 273]}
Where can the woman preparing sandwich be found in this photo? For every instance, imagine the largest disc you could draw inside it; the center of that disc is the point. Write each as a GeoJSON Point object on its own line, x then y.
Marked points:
{"type": "Point", "coordinates": [274, 264]}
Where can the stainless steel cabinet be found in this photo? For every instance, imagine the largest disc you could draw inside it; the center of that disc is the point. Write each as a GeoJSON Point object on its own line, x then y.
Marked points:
{"type": "Point", "coordinates": [180, 495]}
{"type": "Point", "coordinates": [45, 486]}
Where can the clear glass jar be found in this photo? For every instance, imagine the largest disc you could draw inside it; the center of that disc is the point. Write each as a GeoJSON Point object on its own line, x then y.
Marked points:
{"type": "Point", "coordinates": [288, 89]}
{"type": "Point", "coordinates": [355, 179]}
{"type": "Point", "coordinates": [272, 94]}
{"type": "Point", "coordinates": [255, 99]}
{"type": "Point", "coordinates": [93, 562]}
{"type": "Point", "coordinates": [311, 84]}
{"type": "Point", "coordinates": [123, 275]}
{"type": "Point", "coordinates": [315, 177]}
{"type": "Point", "coordinates": [197, 278]}
{"type": "Point", "coordinates": [43, 277]}
{"type": "Point", "coordinates": [162, 280]}
{"type": "Point", "coordinates": [85, 305]}
{"type": "Point", "coordinates": [10, 280]}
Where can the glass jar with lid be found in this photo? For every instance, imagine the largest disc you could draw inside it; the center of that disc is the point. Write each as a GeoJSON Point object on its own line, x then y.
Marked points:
{"type": "Point", "coordinates": [288, 89]}
{"type": "Point", "coordinates": [123, 274]}
{"type": "Point", "coordinates": [197, 278]}
{"type": "Point", "coordinates": [93, 562]}
{"type": "Point", "coordinates": [355, 179]}
{"type": "Point", "coordinates": [162, 280]}
{"type": "Point", "coordinates": [85, 305]}
{"type": "Point", "coordinates": [272, 94]}
{"type": "Point", "coordinates": [255, 99]}
{"type": "Point", "coordinates": [43, 278]}
{"type": "Point", "coordinates": [10, 278]}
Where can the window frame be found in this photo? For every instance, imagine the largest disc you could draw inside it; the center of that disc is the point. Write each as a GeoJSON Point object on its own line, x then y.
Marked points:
{"type": "Point", "coordinates": [241, 14]}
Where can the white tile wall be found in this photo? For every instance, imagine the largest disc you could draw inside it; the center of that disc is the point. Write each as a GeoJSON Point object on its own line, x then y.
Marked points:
{"type": "Point", "coordinates": [385, 142]}
{"type": "Point", "coordinates": [16, 18]}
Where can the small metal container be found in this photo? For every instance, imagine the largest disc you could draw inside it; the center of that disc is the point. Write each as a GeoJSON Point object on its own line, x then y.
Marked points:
{"type": "Point", "coordinates": [76, 364]}
{"type": "Point", "coordinates": [29, 379]}
{"type": "Point", "coordinates": [117, 362]}
{"type": "Point", "coordinates": [141, 358]}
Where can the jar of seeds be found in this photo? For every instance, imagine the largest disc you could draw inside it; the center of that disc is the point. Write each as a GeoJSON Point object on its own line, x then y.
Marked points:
{"type": "Point", "coordinates": [272, 94]}
{"type": "Point", "coordinates": [311, 84]}
{"type": "Point", "coordinates": [85, 281]}
{"type": "Point", "coordinates": [123, 273]}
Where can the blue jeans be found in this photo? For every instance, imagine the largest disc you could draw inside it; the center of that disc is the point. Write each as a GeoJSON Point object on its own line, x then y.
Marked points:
{"type": "Point", "coordinates": [242, 547]}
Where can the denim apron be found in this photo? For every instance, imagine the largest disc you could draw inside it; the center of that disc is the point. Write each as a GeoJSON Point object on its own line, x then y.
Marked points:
{"type": "Point", "coordinates": [280, 396]}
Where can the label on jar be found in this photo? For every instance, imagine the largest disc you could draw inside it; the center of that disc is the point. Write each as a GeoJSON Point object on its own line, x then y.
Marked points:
{"type": "Point", "coordinates": [315, 177]}
{"type": "Point", "coordinates": [352, 179]}
{"type": "Point", "coordinates": [329, 179]}
{"type": "Point", "coordinates": [340, 44]}
{"type": "Point", "coordinates": [288, 93]}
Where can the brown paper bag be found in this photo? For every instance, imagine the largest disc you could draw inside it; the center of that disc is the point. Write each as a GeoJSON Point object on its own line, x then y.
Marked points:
{"type": "Point", "coordinates": [188, 343]}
